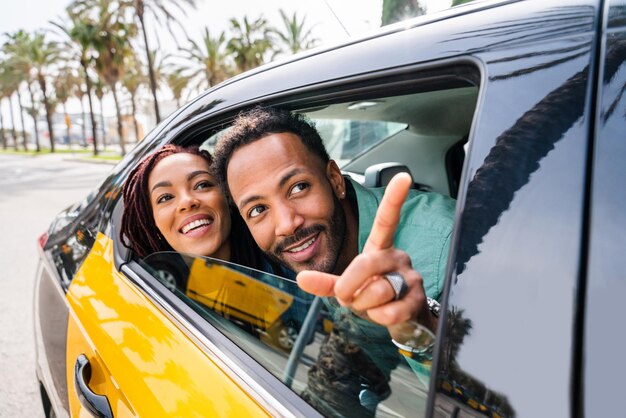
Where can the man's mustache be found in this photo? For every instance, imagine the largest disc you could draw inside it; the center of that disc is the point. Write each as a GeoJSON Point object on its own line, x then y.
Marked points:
{"type": "Point", "coordinates": [298, 236]}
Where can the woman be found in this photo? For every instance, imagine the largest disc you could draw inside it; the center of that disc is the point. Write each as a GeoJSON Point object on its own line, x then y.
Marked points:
{"type": "Point", "coordinates": [172, 202]}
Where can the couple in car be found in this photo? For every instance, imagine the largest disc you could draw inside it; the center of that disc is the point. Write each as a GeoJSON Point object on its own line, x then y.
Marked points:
{"type": "Point", "coordinates": [272, 199]}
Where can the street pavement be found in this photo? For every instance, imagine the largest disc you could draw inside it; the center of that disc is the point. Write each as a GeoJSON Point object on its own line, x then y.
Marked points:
{"type": "Point", "coordinates": [32, 191]}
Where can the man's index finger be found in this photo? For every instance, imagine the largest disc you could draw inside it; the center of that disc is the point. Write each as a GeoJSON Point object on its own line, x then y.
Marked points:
{"type": "Point", "coordinates": [388, 213]}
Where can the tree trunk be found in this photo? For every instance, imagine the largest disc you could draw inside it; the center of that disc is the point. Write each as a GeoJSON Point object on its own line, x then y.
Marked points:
{"type": "Point", "coordinates": [104, 131]}
{"type": "Point", "coordinates": [134, 107]}
{"type": "Point", "coordinates": [120, 132]}
{"type": "Point", "coordinates": [153, 86]}
{"type": "Point", "coordinates": [32, 101]}
{"type": "Point", "coordinates": [93, 119]}
{"type": "Point", "coordinates": [83, 127]}
{"type": "Point", "coordinates": [19, 101]}
{"type": "Point", "coordinates": [42, 86]}
{"type": "Point", "coordinates": [12, 122]}
{"type": "Point", "coordinates": [2, 138]}
{"type": "Point", "coordinates": [67, 125]}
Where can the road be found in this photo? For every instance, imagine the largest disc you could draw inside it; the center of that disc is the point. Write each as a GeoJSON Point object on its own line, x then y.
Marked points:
{"type": "Point", "coordinates": [32, 191]}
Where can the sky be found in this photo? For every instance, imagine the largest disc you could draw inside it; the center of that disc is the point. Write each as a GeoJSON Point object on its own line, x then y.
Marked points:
{"type": "Point", "coordinates": [332, 20]}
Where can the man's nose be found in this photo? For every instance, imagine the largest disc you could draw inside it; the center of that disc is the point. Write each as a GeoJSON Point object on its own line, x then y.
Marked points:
{"type": "Point", "coordinates": [287, 220]}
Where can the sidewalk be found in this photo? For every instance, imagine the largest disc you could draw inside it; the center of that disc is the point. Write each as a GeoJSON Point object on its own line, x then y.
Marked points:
{"type": "Point", "coordinates": [104, 157]}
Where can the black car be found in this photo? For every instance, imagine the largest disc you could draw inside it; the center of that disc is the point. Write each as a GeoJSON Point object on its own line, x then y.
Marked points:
{"type": "Point", "coordinates": [514, 108]}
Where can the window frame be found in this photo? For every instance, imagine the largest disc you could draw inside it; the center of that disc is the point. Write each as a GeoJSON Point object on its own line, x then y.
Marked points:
{"type": "Point", "coordinates": [273, 393]}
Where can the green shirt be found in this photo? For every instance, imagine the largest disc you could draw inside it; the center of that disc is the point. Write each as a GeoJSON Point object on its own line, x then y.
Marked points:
{"type": "Point", "coordinates": [424, 231]}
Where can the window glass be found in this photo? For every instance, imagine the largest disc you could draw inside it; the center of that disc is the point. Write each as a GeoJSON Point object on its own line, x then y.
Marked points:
{"type": "Point", "coordinates": [415, 130]}
{"type": "Point", "coordinates": [344, 365]}
{"type": "Point", "coordinates": [73, 232]}
{"type": "Point", "coordinates": [345, 138]}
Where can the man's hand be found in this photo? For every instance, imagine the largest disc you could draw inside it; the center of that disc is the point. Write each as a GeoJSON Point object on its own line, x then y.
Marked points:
{"type": "Point", "coordinates": [361, 287]}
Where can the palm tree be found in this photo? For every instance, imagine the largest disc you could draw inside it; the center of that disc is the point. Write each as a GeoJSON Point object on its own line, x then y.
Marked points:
{"type": "Point", "coordinates": [81, 32]}
{"type": "Point", "coordinates": [8, 85]}
{"type": "Point", "coordinates": [177, 82]}
{"type": "Point", "coordinates": [132, 80]}
{"type": "Point", "coordinates": [43, 54]}
{"type": "Point", "coordinates": [457, 2]}
{"type": "Point", "coordinates": [112, 50]}
{"type": "Point", "coordinates": [6, 89]}
{"type": "Point", "coordinates": [157, 8]}
{"type": "Point", "coordinates": [18, 60]}
{"type": "Point", "coordinates": [398, 10]}
{"type": "Point", "coordinates": [21, 106]}
{"type": "Point", "coordinates": [3, 139]}
{"type": "Point", "coordinates": [98, 89]}
{"type": "Point", "coordinates": [64, 85]}
{"type": "Point", "coordinates": [210, 58]}
{"type": "Point", "coordinates": [79, 93]}
{"type": "Point", "coordinates": [294, 38]}
{"type": "Point", "coordinates": [249, 43]}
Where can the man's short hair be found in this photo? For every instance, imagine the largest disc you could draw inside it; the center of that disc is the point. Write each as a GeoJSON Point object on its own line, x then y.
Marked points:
{"type": "Point", "coordinates": [258, 123]}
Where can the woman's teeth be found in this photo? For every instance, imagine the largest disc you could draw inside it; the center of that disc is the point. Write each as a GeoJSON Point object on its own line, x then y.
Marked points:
{"type": "Point", "coordinates": [195, 224]}
{"type": "Point", "coordinates": [303, 246]}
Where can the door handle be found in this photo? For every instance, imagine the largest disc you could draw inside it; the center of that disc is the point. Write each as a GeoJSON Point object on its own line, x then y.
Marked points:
{"type": "Point", "coordinates": [98, 405]}
{"type": "Point", "coordinates": [240, 283]}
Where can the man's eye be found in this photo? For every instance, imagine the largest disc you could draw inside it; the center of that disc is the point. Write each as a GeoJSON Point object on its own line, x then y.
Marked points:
{"type": "Point", "coordinates": [164, 198]}
{"type": "Point", "coordinates": [299, 188]}
{"type": "Point", "coordinates": [256, 211]}
{"type": "Point", "coordinates": [204, 184]}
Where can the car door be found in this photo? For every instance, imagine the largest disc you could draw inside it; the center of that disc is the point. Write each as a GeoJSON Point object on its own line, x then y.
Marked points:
{"type": "Point", "coordinates": [128, 354]}
{"type": "Point", "coordinates": [604, 337]}
{"type": "Point", "coordinates": [510, 335]}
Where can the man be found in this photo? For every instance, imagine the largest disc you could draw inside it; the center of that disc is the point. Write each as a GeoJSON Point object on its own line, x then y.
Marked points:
{"type": "Point", "coordinates": [338, 236]}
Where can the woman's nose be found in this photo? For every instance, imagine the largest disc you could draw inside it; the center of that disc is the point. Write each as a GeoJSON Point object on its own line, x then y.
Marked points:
{"type": "Point", "coordinates": [188, 201]}
{"type": "Point", "coordinates": [287, 220]}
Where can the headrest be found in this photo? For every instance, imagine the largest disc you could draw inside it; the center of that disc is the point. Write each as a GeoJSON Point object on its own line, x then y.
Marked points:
{"type": "Point", "coordinates": [379, 175]}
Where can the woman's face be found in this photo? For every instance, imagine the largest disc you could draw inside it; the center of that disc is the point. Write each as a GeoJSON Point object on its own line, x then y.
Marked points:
{"type": "Point", "coordinates": [188, 206]}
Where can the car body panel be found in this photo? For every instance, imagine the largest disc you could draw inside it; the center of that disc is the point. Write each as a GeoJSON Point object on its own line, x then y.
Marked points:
{"type": "Point", "coordinates": [131, 344]}
{"type": "Point", "coordinates": [604, 336]}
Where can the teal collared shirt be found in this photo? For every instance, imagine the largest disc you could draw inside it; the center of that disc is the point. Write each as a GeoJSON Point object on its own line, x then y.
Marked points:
{"type": "Point", "coordinates": [423, 232]}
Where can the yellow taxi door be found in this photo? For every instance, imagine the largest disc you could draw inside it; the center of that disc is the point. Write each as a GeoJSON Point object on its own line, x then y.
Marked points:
{"type": "Point", "coordinates": [123, 348]}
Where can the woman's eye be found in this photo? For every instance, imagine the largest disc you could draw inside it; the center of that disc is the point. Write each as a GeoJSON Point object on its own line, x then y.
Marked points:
{"type": "Point", "coordinates": [164, 198]}
{"type": "Point", "coordinates": [205, 184]}
{"type": "Point", "coordinates": [256, 211]}
{"type": "Point", "coordinates": [299, 188]}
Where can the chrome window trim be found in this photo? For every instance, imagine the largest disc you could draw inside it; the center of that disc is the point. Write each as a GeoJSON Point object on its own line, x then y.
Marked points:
{"type": "Point", "coordinates": [277, 402]}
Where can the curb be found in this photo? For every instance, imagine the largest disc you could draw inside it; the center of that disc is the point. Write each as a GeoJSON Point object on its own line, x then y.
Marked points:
{"type": "Point", "coordinates": [91, 161]}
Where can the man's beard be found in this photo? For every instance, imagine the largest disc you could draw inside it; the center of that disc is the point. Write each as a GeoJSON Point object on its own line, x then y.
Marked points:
{"type": "Point", "coordinates": [335, 232]}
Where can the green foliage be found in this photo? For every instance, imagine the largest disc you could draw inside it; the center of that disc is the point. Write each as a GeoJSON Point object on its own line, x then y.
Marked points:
{"type": "Point", "coordinates": [398, 10]}
{"type": "Point", "coordinates": [212, 64]}
{"type": "Point", "coordinates": [458, 2]}
{"type": "Point", "coordinates": [293, 37]}
{"type": "Point", "coordinates": [249, 43]}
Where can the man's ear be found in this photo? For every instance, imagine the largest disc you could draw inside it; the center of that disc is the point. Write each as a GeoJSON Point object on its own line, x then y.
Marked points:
{"type": "Point", "coordinates": [337, 182]}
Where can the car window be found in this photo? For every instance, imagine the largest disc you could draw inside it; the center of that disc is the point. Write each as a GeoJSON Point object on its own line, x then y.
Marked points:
{"type": "Point", "coordinates": [416, 130]}
{"type": "Point", "coordinates": [344, 138]}
{"type": "Point", "coordinates": [345, 366]}
{"type": "Point", "coordinates": [321, 352]}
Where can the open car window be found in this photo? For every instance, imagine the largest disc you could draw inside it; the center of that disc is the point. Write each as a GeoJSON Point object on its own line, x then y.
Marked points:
{"type": "Point", "coordinates": [338, 363]}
